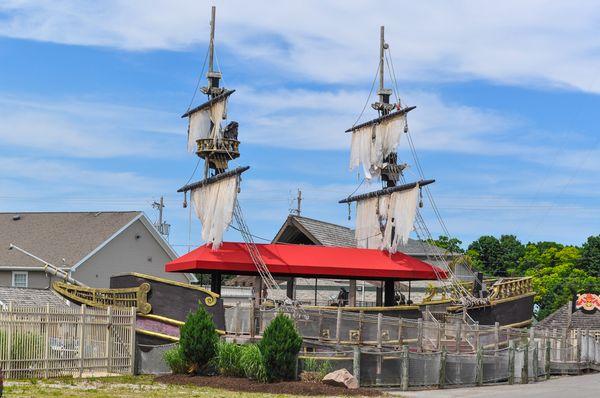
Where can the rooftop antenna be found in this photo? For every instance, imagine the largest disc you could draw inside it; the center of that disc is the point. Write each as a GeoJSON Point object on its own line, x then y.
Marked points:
{"type": "Point", "coordinates": [298, 208]}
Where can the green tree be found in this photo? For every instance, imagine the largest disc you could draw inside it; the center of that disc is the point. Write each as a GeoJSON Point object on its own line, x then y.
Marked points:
{"type": "Point", "coordinates": [198, 340]}
{"type": "Point", "coordinates": [497, 257]}
{"type": "Point", "coordinates": [590, 256]}
{"type": "Point", "coordinates": [450, 244]}
{"type": "Point", "coordinates": [279, 347]}
{"type": "Point", "coordinates": [558, 278]}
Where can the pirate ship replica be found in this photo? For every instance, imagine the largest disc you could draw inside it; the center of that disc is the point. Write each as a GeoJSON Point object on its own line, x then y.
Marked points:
{"type": "Point", "coordinates": [384, 220]}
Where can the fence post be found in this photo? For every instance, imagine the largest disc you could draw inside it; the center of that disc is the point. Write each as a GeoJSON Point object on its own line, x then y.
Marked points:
{"type": "Point", "coordinates": [578, 352]}
{"type": "Point", "coordinates": [235, 320]}
{"type": "Point", "coordinates": [400, 322]}
{"type": "Point", "coordinates": [9, 341]}
{"type": "Point", "coordinates": [458, 336]}
{"type": "Point", "coordinates": [356, 363]}
{"type": "Point", "coordinates": [81, 337]}
{"type": "Point", "coordinates": [511, 362]}
{"type": "Point", "coordinates": [420, 334]}
{"type": "Point", "coordinates": [548, 356]}
{"type": "Point", "coordinates": [132, 339]}
{"type": "Point", "coordinates": [476, 335]}
{"type": "Point", "coordinates": [525, 368]}
{"type": "Point", "coordinates": [320, 326]}
{"type": "Point", "coordinates": [46, 339]}
{"type": "Point", "coordinates": [441, 334]}
{"type": "Point", "coordinates": [338, 325]}
{"type": "Point", "coordinates": [361, 314]}
{"type": "Point", "coordinates": [534, 362]}
{"type": "Point", "coordinates": [251, 321]}
{"type": "Point", "coordinates": [404, 381]}
{"type": "Point", "coordinates": [496, 337]}
{"type": "Point", "coordinates": [479, 367]}
{"type": "Point", "coordinates": [442, 375]}
{"type": "Point", "coordinates": [379, 322]}
{"type": "Point", "coordinates": [108, 339]}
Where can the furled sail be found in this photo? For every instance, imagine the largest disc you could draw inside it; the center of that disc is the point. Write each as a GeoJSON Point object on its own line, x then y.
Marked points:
{"type": "Point", "coordinates": [200, 123]}
{"type": "Point", "coordinates": [214, 204]}
{"type": "Point", "coordinates": [372, 143]}
{"type": "Point", "coordinates": [385, 222]}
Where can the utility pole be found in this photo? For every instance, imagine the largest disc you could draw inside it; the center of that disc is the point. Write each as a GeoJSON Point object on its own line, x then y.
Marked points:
{"type": "Point", "coordinates": [298, 208]}
{"type": "Point", "coordinates": [161, 226]}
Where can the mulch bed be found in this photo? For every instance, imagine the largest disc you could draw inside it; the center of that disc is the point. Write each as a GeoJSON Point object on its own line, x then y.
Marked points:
{"type": "Point", "coordinates": [285, 387]}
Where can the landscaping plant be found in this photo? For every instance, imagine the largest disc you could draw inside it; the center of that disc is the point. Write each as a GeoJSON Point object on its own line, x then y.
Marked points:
{"type": "Point", "coordinates": [198, 340]}
{"type": "Point", "coordinates": [229, 359]}
{"type": "Point", "coordinates": [279, 347]}
{"type": "Point", "coordinates": [252, 363]}
{"type": "Point", "coordinates": [176, 361]}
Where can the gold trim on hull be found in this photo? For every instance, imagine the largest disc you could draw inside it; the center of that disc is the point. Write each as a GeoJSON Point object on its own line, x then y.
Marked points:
{"type": "Point", "coordinates": [102, 298]}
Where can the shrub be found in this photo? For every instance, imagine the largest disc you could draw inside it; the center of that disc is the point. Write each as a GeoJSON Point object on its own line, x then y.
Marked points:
{"type": "Point", "coordinates": [313, 370]}
{"type": "Point", "coordinates": [229, 359]}
{"type": "Point", "coordinates": [251, 361]}
{"type": "Point", "coordinates": [176, 361]}
{"type": "Point", "coordinates": [198, 340]}
{"type": "Point", "coordinates": [279, 347]}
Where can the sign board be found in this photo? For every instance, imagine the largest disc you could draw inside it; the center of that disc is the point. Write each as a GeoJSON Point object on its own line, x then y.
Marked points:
{"type": "Point", "coordinates": [588, 303]}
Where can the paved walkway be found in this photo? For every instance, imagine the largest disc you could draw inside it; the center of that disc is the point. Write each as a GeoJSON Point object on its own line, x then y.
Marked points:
{"type": "Point", "coordinates": [559, 387]}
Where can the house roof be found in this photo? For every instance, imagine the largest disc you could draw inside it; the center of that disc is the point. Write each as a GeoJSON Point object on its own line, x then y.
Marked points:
{"type": "Point", "coordinates": [304, 230]}
{"type": "Point", "coordinates": [56, 236]}
{"type": "Point", "coordinates": [26, 297]}
{"type": "Point", "coordinates": [306, 260]}
{"type": "Point", "coordinates": [559, 319]}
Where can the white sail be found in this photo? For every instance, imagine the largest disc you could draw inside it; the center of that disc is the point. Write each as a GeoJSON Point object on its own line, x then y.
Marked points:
{"type": "Point", "coordinates": [402, 211]}
{"type": "Point", "coordinates": [214, 204]}
{"type": "Point", "coordinates": [200, 123]}
{"type": "Point", "coordinates": [385, 222]}
{"type": "Point", "coordinates": [198, 128]}
{"type": "Point", "coordinates": [372, 144]}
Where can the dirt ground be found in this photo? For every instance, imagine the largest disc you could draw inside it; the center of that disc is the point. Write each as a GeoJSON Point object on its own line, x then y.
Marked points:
{"type": "Point", "coordinates": [245, 385]}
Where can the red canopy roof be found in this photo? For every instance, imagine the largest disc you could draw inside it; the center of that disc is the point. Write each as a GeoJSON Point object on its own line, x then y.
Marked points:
{"type": "Point", "coordinates": [307, 261]}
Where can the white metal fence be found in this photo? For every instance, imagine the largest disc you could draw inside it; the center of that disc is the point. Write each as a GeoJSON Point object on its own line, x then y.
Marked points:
{"type": "Point", "coordinates": [51, 342]}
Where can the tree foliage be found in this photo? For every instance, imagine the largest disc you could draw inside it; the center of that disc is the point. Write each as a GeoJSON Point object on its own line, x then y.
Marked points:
{"type": "Point", "coordinates": [279, 347]}
{"type": "Point", "coordinates": [449, 244]}
{"type": "Point", "coordinates": [590, 256]}
{"type": "Point", "coordinates": [198, 340]}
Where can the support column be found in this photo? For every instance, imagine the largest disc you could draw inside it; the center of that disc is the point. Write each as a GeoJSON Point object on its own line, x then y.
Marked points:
{"type": "Point", "coordinates": [378, 296]}
{"type": "Point", "coordinates": [257, 290]}
{"type": "Point", "coordinates": [389, 294]}
{"type": "Point", "coordinates": [215, 282]}
{"type": "Point", "coordinates": [352, 293]}
{"type": "Point", "coordinates": [291, 288]}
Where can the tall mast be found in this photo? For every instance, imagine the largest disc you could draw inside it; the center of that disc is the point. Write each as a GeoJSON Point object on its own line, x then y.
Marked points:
{"type": "Point", "coordinates": [383, 105]}
{"type": "Point", "coordinates": [212, 76]}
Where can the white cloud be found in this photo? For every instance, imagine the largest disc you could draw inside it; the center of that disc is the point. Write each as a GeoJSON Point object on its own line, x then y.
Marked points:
{"type": "Point", "coordinates": [530, 43]}
{"type": "Point", "coordinates": [84, 129]}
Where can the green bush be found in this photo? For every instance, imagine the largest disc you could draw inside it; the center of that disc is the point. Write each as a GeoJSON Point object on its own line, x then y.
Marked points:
{"type": "Point", "coordinates": [251, 361]}
{"type": "Point", "coordinates": [24, 345]}
{"type": "Point", "coordinates": [279, 347]}
{"type": "Point", "coordinates": [176, 361]}
{"type": "Point", "coordinates": [228, 359]}
{"type": "Point", "coordinates": [198, 340]}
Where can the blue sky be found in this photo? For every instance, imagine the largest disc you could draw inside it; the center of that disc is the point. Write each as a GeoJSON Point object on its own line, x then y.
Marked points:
{"type": "Point", "coordinates": [506, 94]}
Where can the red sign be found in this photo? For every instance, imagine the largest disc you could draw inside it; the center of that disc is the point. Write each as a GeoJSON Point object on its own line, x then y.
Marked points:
{"type": "Point", "coordinates": [587, 302]}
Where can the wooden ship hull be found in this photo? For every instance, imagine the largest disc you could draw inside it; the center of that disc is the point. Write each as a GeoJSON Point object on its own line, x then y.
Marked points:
{"type": "Point", "coordinates": [162, 305]}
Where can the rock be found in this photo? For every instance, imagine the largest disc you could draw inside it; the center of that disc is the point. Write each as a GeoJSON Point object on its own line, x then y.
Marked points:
{"type": "Point", "coordinates": [341, 378]}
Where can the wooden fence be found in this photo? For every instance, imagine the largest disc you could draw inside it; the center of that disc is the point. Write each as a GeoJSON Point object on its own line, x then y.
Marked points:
{"type": "Point", "coordinates": [52, 342]}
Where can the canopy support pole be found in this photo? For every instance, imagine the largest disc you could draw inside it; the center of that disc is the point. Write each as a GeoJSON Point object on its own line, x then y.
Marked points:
{"type": "Point", "coordinates": [379, 295]}
{"type": "Point", "coordinates": [389, 294]}
{"type": "Point", "coordinates": [352, 293]}
{"type": "Point", "coordinates": [215, 282]}
{"type": "Point", "coordinates": [290, 288]}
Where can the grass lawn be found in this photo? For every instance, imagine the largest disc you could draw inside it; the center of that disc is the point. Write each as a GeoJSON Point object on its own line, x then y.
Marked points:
{"type": "Point", "coordinates": [120, 387]}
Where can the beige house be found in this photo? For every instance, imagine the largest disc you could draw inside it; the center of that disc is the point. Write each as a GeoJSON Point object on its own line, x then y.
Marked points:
{"type": "Point", "coordinates": [91, 246]}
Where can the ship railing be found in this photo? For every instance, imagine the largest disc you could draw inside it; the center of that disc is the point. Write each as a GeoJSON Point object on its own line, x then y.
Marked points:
{"type": "Point", "coordinates": [103, 298]}
{"type": "Point", "coordinates": [511, 287]}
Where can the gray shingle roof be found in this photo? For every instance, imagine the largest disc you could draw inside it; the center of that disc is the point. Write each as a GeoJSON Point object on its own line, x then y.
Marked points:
{"type": "Point", "coordinates": [25, 297]}
{"type": "Point", "coordinates": [559, 319]}
{"type": "Point", "coordinates": [57, 236]}
{"type": "Point", "coordinates": [328, 234]}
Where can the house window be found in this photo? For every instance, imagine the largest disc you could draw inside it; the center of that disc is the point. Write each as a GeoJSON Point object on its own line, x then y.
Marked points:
{"type": "Point", "coordinates": [20, 279]}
